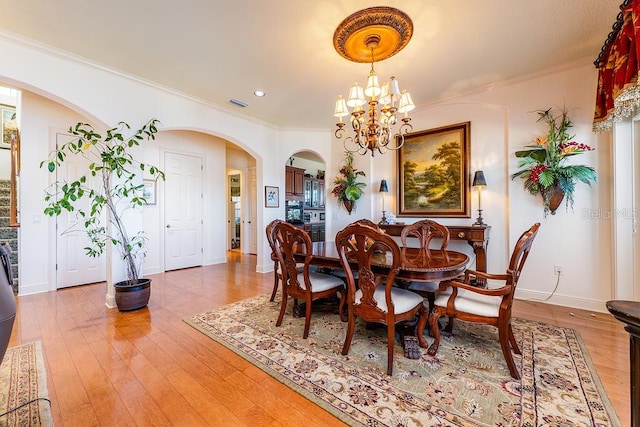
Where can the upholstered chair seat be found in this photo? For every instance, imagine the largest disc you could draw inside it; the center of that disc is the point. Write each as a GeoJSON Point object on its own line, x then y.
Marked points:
{"type": "Point", "coordinates": [491, 305]}
{"type": "Point", "coordinates": [403, 300]}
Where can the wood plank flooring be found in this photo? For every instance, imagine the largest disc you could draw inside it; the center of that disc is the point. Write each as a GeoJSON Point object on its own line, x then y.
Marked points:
{"type": "Point", "coordinates": [149, 368]}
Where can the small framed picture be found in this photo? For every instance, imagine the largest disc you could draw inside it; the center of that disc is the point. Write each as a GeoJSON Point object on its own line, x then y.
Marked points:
{"type": "Point", "coordinates": [9, 125]}
{"type": "Point", "coordinates": [149, 191]}
{"type": "Point", "coordinates": [271, 197]}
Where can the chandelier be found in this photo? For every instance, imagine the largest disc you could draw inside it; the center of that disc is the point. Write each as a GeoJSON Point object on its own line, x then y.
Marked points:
{"type": "Point", "coordinates": [367, 35]}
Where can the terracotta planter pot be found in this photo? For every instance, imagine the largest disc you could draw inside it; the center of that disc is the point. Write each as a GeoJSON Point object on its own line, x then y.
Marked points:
{"type": "Point", "coordinates": [555, 197]}
{"type": "Point", "coordinates": [132, 297]}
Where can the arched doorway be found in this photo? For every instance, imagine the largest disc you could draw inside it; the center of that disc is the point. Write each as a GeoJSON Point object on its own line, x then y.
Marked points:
{"type": "Point", "coordinates": [305, 193]}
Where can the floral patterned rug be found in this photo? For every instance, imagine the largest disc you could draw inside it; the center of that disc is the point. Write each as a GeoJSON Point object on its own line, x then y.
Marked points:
{"type": "Point", "coordinates": [23, 387]}
{"type": "Point", "coordinates": [466, 384]}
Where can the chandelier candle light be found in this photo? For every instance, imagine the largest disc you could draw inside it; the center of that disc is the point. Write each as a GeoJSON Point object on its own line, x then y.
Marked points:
{"type": "Point", "coordinates": [367, 35]}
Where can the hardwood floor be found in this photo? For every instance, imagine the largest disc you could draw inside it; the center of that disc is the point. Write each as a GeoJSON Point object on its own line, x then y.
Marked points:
{"type": "Point", "coordinates": [148, 368]}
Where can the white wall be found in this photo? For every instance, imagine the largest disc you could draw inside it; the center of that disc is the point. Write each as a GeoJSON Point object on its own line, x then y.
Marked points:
{"type": "Point", "coordinates": [503, 120]}
{"type": "Point", "coordinates": [501, 123]}
{"type": "Point", "coordinates": [37, 232]}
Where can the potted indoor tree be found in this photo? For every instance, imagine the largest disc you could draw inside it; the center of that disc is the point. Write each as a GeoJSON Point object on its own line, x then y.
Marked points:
{"type": "Point", "coordinates": [112, 184]}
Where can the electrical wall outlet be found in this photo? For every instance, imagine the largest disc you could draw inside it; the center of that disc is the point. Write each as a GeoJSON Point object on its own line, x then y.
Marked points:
{"type": "Point", "coordinates": [557, 269]}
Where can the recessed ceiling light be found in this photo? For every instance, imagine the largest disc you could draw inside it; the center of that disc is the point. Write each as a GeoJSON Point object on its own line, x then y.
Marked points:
{"type": "Point", "coordinates": [259, 93]}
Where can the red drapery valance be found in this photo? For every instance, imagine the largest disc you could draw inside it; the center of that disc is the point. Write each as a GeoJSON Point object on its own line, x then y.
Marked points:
{"type": "Point", "coordinates": [618, 93]}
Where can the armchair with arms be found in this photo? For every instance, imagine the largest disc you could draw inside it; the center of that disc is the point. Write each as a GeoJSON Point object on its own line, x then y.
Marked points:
{"type": "Point", "coordinates": [492, 306]}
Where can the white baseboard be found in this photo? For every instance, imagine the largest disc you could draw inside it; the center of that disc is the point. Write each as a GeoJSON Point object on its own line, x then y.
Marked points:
{"type": "Point", "coordinates": [214, 261]}
{"type": "Point", "coordinates": [562, 300]}
{"type": "Point", "coordinates": [110, 301]}
{"type": "Point", "coordinates": [37, 288]}
{"type": "Point", "coordinates": [264, 268]}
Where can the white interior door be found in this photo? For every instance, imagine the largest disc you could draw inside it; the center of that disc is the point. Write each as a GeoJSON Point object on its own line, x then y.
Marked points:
{"type": "Point", "coordinates": [183, 211]}
{"type": "Point", "coordinates": [252, 202]}
{"type": "Point", "coordinates": [73, 266]}
{"type": "Point", "coordinates": [234, 211]}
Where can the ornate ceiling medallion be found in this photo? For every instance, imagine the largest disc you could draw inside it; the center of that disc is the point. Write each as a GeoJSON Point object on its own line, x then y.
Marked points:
{"type": "Point", "coordinates": [391, 27]}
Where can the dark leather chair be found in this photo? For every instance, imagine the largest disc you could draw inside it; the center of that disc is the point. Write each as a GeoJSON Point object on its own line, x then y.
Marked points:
{"type": "Point", "coordinates": [7, 300]}
{"type": "Point", "coordinates": [461, 300]}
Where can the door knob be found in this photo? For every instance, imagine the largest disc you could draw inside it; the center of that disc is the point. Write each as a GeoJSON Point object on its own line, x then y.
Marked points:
{"type": "Point", "coordinates": [168, 225]}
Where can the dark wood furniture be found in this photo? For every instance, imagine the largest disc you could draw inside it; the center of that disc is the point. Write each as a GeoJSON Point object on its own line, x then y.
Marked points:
{"type": "Point", "coordinates": [476, 235]}
{"type": "Point", "coordinates": [464, 301]}
{"type": "Point", "coordinates": [424, 231]}
{"type": "Point", "coordinates": [628, 312]}
{"type": "Point", "coordinates": [313, 193]}
{"type": "Point", "coordinates": [294, 182]}
{"type": "Point", "coordinates": [385, 303]}
{"type": "Point", "coordinates": [277, 275]}
{"type": "Point", "coordinates": [306, 285]}
{"type": "Point", "coordinates": [441, 266]}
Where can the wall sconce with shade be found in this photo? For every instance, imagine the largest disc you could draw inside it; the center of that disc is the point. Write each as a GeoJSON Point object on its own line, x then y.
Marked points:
{"type": "Point", "coordinates": [479, 182]}
{"type": "Point", "coordinates": [368, 35]}
{"type": "Point", "coordinates": [383, 189]}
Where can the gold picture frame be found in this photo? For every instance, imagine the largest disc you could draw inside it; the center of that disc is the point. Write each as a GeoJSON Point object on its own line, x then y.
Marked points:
{"type": "Point", "coordinates": [9, 125]}
{"type": "Point", "coordinates": [433, 173]}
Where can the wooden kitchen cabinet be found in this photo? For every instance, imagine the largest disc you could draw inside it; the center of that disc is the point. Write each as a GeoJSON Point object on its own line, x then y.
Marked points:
{"type": "Point", "coordinates": [314, 193]}
{"type": "Point", "coordinates": [294, 181]}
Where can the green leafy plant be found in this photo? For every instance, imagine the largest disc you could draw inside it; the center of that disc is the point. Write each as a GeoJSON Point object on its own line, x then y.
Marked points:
{"type": "Point", "coordinates": [345, 185]}
{"type": "Point", "coordinates": [544, 165]}
{"type": "Point", "coordinates": [115, 187]}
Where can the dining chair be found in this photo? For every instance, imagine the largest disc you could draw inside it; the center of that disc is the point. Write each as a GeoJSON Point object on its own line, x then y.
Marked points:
{"type": "Point", "coordinates": [367, 222]}
{"type": "Point", "coordinates": [425, 231]}
{"type": "Point", "coordinates": [305, 285]}
{"type": "Point", "coordinates": [380, 303]}
{"type": "Point", "coordinates": [277, 275]}
{"type": "Point", "coordinates": [491, 305]}
{"type": "Point", "coordinates": [339, 272]}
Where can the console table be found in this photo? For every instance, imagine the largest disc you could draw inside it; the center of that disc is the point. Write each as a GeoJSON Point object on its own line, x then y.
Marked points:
{"type": "Point", "coordinates": [476, 235]}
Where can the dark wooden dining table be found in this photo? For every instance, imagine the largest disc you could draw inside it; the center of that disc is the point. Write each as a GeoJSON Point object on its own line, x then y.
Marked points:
{"type": "Point", "coordinates": [416, 264]}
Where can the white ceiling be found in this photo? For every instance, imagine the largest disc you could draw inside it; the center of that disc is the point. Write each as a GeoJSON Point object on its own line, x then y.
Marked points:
{"type": "Point", "coordinates": [217, 50]}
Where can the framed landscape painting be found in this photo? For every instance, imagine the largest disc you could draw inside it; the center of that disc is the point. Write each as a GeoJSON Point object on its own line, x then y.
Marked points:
{"type": "Point", "coordinates": [433, 173]}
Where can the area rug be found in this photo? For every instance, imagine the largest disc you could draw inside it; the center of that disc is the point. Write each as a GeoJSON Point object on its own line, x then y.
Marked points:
{"type": "Point", "coordinates": [23, 385]}
{"type": "Point", "coordinates": [466, 384]}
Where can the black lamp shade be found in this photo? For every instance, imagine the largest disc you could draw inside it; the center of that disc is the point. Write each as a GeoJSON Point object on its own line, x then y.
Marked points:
{"type": "Point", "coordinates": [478, 179]}
{"type": "Point", "coordinates": [383, 186]}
